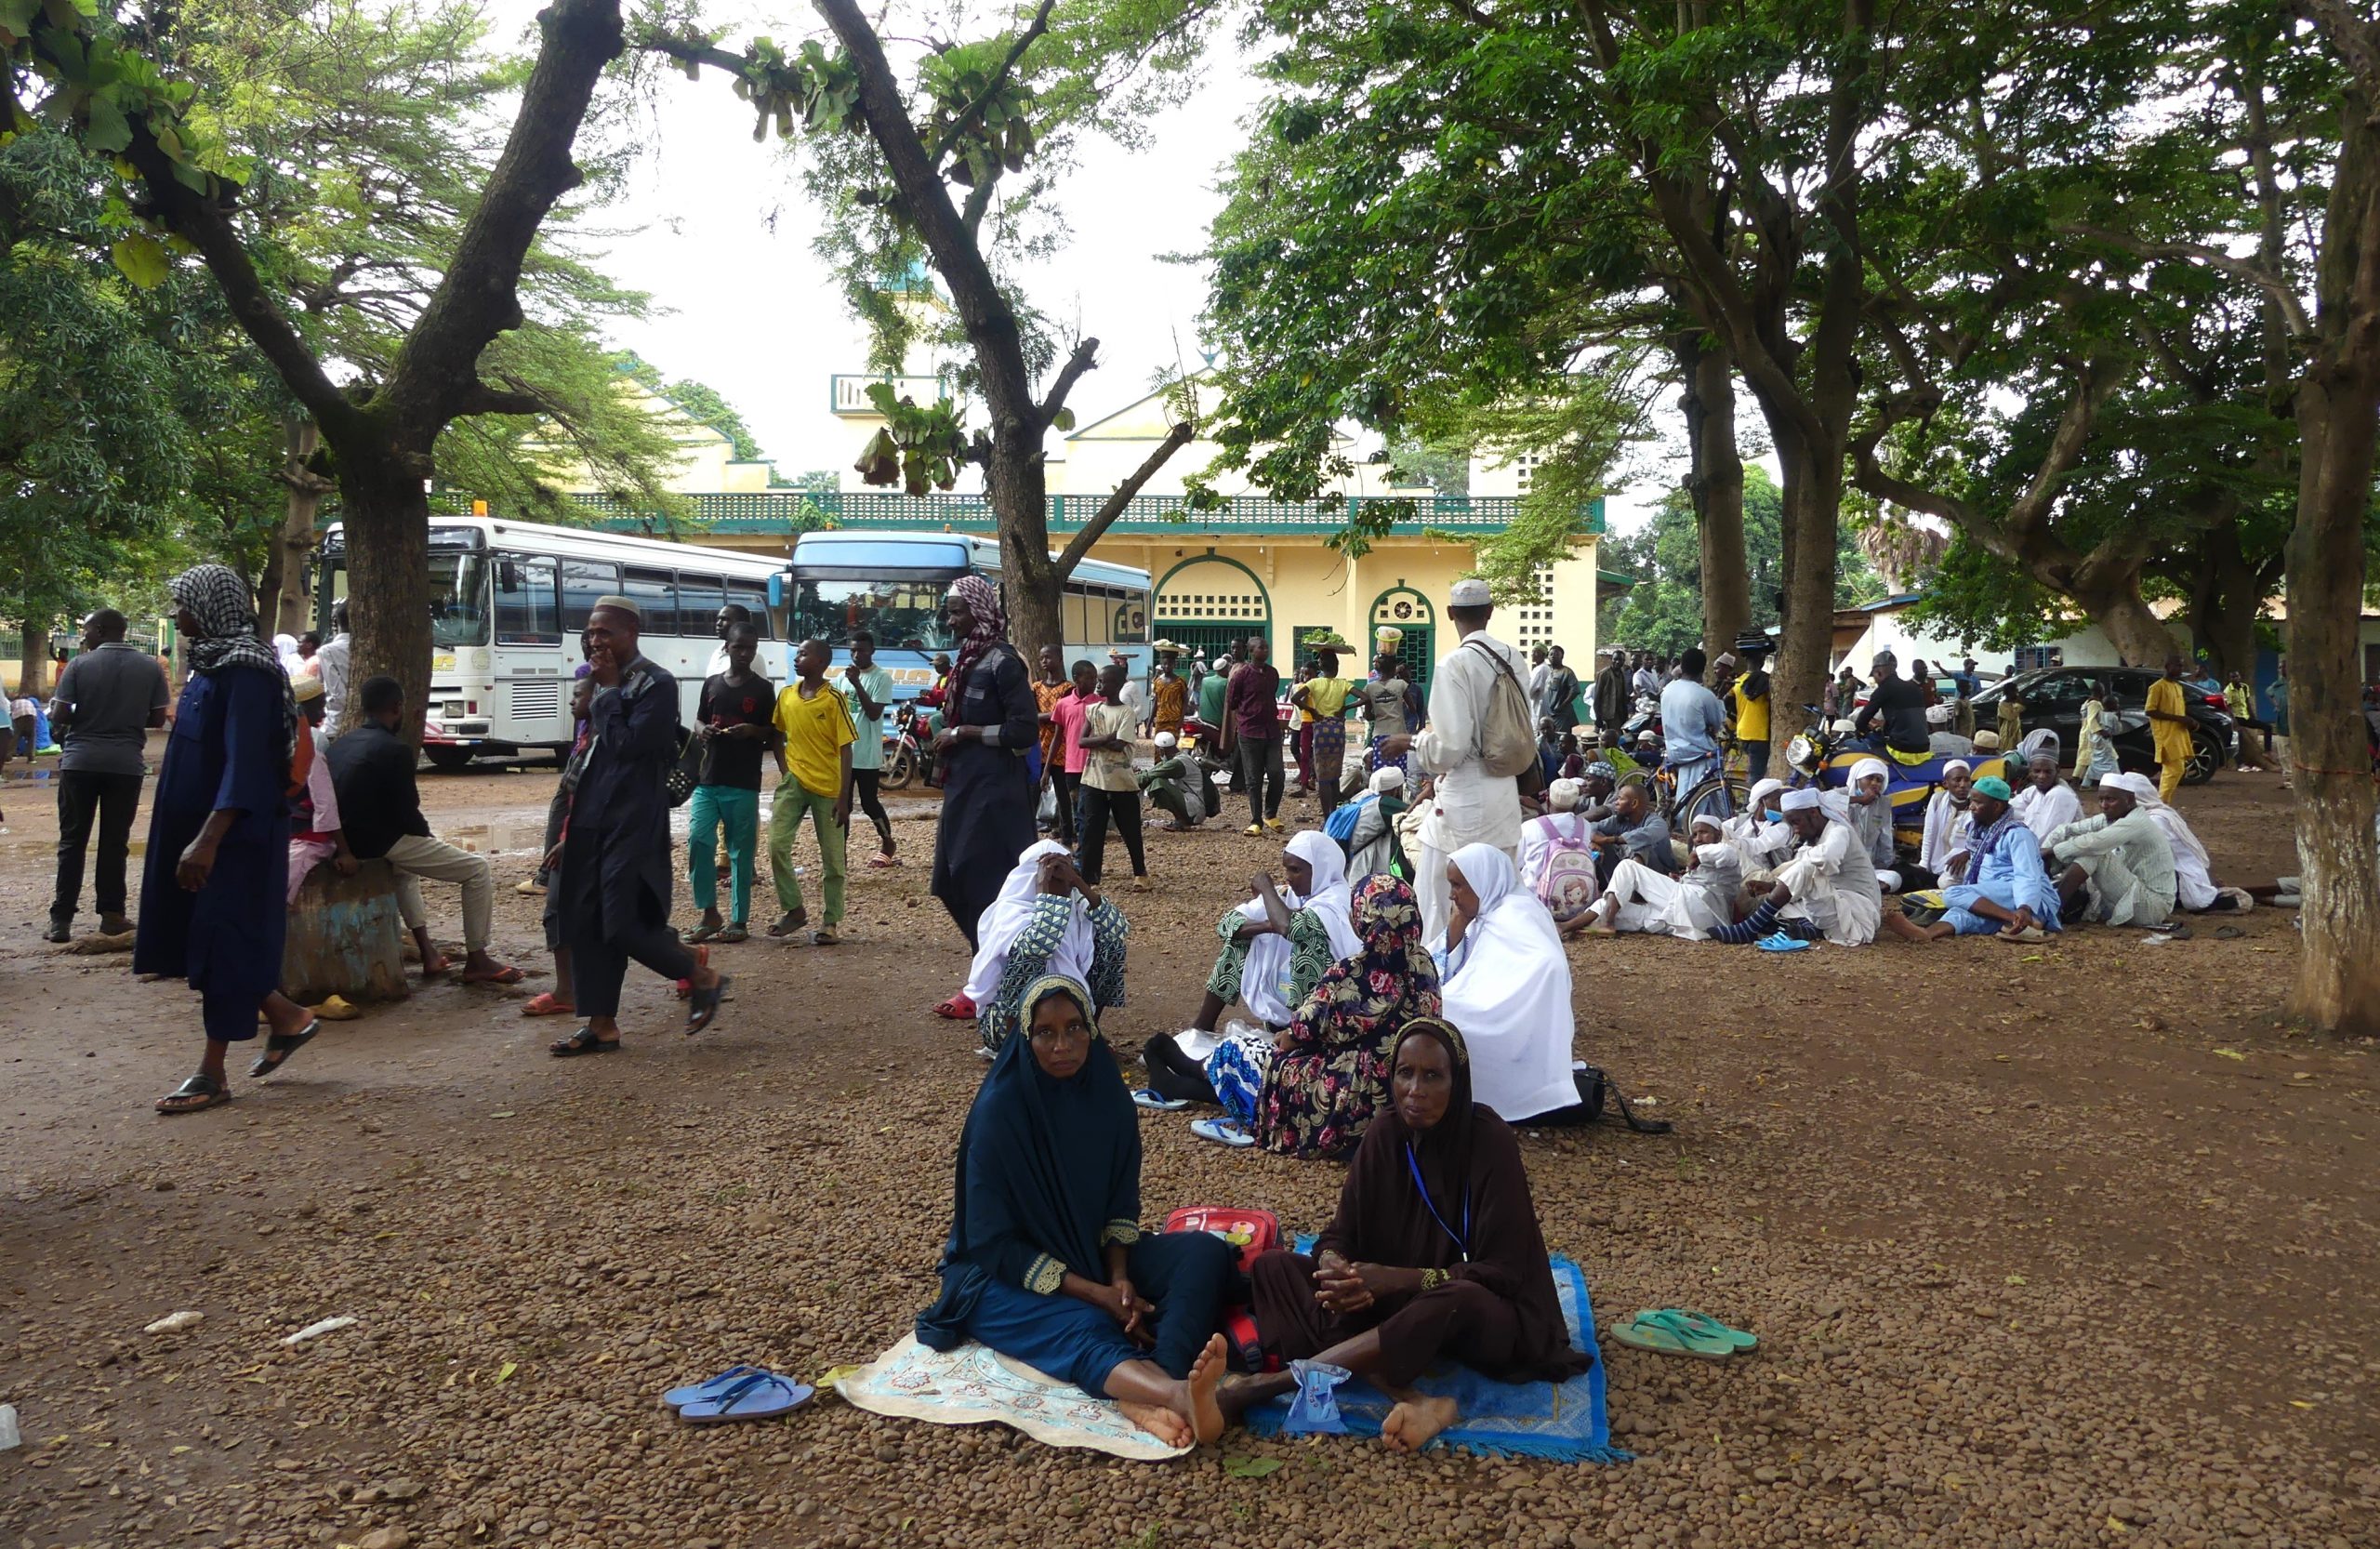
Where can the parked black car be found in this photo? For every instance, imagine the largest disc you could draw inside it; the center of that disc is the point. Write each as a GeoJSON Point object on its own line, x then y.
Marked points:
{"type": "Point", "coordinates": [2053, 698]}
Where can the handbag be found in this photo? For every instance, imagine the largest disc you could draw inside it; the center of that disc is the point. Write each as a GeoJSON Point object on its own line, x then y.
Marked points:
{"type": "Point", "coordinates": [1249, 1233]}
{"type": "Point", "coordinates": [687, 771]}
{"type": "Point", "coordinates": [1595, 1088]}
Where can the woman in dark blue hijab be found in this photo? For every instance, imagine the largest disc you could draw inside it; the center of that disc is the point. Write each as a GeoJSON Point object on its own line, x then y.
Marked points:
{"type": "Point", "coordinates": [1047, 1263]}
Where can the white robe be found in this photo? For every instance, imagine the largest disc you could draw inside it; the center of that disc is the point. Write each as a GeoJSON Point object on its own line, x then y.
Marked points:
{"type": "Point", "coordinates": [1007, 915]}
{"type": "Point", "coordinates": [1689, 906]}
{"type": "Point", "coordinates": [1468, 806]}
{"type": "Point", "coordinates": [2193, 881]}
{"type": "Point", "coordinates": [1948, 828]}
{"type": "Point", "coordinates": [1265, 975]}
{"type": "Point", "coordinates": [2042, 811]}
{"type": "Point", "coordinates": [1507, 990]}
{"type": "Point", "coordinates": [1834, 886]}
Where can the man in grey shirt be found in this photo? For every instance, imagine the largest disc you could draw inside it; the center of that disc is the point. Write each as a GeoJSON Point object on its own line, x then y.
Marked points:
{"type": "Point", "coordinates": [108, 699]}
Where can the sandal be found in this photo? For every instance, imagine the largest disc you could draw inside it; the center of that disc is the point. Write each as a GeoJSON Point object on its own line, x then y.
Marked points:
{"type": "Point", "coordinates": [507, 975]}
{"type": "Point", "coordinates": [756, 1396]}
{"type": "Point", "coordinates": [1695, 1325]}
{"type": "Point", "coordinates": [1664, 1341]}
{"type": "Point", "coordinates": [548, 1003]}
{"type": "Point", "coordinates": [201, 1090]}
{"type": "Point", "coordinates": [2028, 936]}
{"type": "Point", "coordinates": [702, 1007]}
{"type": "Point", "coordinates": [703, 932]}
{"type": "Point", "coordinates": [956, 1009]}
{"type": "Point", "coordinates": [883, 863]}
{"type": "Point", "coordinates": [583, 1041]}
{"type": "Point", "coordinates": [280, 1046]}
{"type": "Point", "coordinates": [731, 934]}
{"type": "Point", "coordinates": [790, 925]}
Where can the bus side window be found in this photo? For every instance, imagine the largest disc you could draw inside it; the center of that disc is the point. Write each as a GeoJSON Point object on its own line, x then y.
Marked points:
{"type": "Point", "coordinates": [756, 599]}
{"type": "Point", "coordinates": [656, 594]}
{"type": "Point", "coordinates": [582, 582]}
{"type": "Point", "coordinates": [700, 600]}
{"type": "Point", "coordinates": [1078, 626]}
{"type": "Point", "coordinates": [526, 611]}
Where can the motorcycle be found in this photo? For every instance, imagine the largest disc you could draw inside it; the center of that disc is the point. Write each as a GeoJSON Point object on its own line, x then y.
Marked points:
{"type": "Point", "coordinates": [909, 753]}
{"type": "Point", "coordinates": [1820, 755]}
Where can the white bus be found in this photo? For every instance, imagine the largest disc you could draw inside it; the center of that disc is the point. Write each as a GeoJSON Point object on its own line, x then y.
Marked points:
{"type": "Point", "coordinates": [508, 599]}
{"type": "Point", "coordinates": [892, 584]}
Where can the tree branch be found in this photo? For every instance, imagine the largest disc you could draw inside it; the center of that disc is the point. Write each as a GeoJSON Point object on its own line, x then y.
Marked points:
{"type": "Point", "coordinates": [1085, 358]}
{"type": "Point", "coordinates": [478, 297]}
{"type": "Point", "coordinates": [482, 398]}
{"type": "Point", "coordinates": [1033, 29]}
{"type": "Point", "coordinates": [1114, 506]}
{"type": "Point", "coordinates": [2292, 310]}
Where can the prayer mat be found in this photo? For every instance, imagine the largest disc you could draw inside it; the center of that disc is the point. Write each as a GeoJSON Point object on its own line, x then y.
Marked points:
{"type": "Point", "coordinates": [1565, 1422]}
{"type": "Point", "coordinates": [974, 1384]}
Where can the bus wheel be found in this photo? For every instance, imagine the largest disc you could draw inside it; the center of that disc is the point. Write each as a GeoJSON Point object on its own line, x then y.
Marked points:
{"type": "Point", "coordinates": [900, 768]}
{"type": "Point", "coordinates": [447, 759]}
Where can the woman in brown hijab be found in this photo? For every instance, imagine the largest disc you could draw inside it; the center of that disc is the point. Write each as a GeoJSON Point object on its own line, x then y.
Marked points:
{"type": "Point", "coordinates": [1435, 1252]}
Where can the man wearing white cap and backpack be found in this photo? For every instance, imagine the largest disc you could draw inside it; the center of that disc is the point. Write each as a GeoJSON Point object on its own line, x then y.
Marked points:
{"type": "Point", "coordinates": [1479, 739]}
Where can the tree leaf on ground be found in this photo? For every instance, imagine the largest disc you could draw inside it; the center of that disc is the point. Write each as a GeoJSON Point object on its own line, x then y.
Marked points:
{"type": "Point", "coordinates": [1251, 1468]}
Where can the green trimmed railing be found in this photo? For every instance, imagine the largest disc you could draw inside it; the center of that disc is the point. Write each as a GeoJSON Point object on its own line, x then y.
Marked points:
{"type": "Point", "coordinates": [782, 510]}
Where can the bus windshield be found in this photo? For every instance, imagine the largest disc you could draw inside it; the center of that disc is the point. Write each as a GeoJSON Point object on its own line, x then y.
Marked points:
{"type": "Point", "coordinates": [458, 598]}
{"type": "Point", "coordinates": [902, 614]}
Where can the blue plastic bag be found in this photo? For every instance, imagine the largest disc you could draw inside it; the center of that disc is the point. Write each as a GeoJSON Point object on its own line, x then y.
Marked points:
{"type": "Point", "coordinates": [1315, 1410]}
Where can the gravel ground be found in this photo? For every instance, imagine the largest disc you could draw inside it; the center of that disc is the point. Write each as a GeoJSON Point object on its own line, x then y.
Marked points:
{"type": "Point", "coordinates": [2050, 1246]}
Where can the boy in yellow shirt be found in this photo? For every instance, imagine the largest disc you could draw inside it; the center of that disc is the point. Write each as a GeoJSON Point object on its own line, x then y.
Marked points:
{"type": "Point", "coordinates": [814, 740]}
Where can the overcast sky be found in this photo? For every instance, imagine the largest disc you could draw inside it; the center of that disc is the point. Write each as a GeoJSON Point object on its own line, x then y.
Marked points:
{"type": "Point", "coordinates": [721, 239]}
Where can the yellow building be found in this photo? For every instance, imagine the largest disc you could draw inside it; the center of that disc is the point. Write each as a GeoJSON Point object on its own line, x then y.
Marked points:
{"type": "Point", "coordinates": [1251, 565]}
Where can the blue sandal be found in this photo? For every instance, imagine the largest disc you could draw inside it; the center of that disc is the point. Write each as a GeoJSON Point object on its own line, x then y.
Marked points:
{"type": "Point", "coordinates": [1223, 1131]}
{"type": "Point", "coordinates": [1157, 1102]}
{"type": "Point", "coordinates": [677, 1396]}
{"type": "Point", "coordinates": [1781, 942]}
{"type": "Point", "coordinates": [755, 1395]}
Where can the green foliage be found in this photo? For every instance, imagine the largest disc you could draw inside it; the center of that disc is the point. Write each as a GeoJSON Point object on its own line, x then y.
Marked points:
{"type": "Point", "coordinates": [698, 402]}
{"type": "Point", "coordinates": [918, 446]}
{"type": "Point", "coordinates": [93, 454]}
{"type": "Point", "coordinates": [1663, 612]}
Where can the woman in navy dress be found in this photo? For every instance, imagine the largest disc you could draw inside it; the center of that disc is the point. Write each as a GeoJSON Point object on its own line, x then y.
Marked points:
{"type": "Point", "coordinates": [215, 883]}
{"type": "Point", "coordinates": [988, 794]}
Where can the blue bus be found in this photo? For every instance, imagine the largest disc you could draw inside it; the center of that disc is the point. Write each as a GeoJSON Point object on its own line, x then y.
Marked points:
{"type": "Point", "coordinates": [892, 585]}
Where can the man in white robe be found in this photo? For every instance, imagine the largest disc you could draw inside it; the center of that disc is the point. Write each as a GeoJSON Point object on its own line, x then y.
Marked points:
{"type": "Point", "coordinates": [1691, 905]}
{"type": "Point", "coordinates": [2047, 802]}
{"type": "Point", "coordinates": [1826, 891]}
{"type": "Point", "coordinates": [2120, 861]}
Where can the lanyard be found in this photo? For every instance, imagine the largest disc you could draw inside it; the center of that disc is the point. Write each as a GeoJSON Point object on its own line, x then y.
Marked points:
{"type": "Point", "coordinates": [1462, 1243]}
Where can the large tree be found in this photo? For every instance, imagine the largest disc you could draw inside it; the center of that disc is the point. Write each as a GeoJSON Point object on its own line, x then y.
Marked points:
{"type": "Point", "coordinates": [951, 165]}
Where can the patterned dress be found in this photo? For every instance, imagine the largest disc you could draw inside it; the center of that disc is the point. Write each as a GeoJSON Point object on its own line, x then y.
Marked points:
{"type": "Point", "coordinates": [1029, 962]}
{"type": "Point", "coordinates": [1329, 1070]}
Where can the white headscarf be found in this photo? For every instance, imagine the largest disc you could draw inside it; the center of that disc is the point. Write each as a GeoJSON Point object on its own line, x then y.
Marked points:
{"type": "Point", "coordinates": [286, 646]}
{"type": "Point", "coordinates": [1507, 989]}
{"type": "Point", "coordinates": [2193, 875]}
{"type": "Point", "coordinates": [1866, 767]}
{"type": "Point", "coordinates": [1006, 917]}
{"type": "Point", "coordinates": [1330, 896]}
{"type": "Point", "coordinates": [2035, 743]}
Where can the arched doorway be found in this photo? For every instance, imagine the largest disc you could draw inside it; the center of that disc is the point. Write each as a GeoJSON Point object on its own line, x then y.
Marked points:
{"type": "Point", "coordinates": [1208, 603]}
{"type": "Point", "coordinates": [1408, 610]}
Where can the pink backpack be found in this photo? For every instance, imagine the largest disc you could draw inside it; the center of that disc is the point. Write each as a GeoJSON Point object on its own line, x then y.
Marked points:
{"type": "Point", "coordinates": [1568, 886]}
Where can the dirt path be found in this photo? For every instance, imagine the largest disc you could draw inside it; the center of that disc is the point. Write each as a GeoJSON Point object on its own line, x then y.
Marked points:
{"type": "Point", "coordinates": [2047, 1246]}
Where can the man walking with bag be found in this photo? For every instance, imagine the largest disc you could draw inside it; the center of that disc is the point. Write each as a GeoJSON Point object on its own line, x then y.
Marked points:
{"type": "Point", "coordinates": [1479, 738]}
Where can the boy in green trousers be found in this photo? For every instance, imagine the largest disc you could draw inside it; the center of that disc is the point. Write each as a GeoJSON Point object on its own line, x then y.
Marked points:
{"type": "Point", "coordinates": [814, 740]}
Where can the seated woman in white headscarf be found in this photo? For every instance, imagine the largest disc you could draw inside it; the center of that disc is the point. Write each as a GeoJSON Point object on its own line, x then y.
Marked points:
{"type": "Point", "coordinates": [1871, 819]}
{"type": "Point", "coordinates": [1276, 948]}
{"type": "Point", "coordinates": [1371, 833]}
{"type": "Point", "coordinates": [1949, 822]}
{"type": "Point", "coordinates": [1690, 905]}
{"type": "Point", "coordinates": [1827, 891]}
{"type": "Point", "coordinates": [1047, 919]}
{"type": "Point", "coordinates": [2047, 803]}
{"type": "Point", "coordinates": [1506, 985]}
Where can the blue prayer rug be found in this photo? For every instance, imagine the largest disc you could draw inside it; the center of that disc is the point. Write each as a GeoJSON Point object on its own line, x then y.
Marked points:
{"type": "Point", "coordinates": [1566, 1422]}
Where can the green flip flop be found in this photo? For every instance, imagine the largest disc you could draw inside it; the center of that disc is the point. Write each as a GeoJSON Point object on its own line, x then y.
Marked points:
{"type": "Point", "coordinates": [1665, 1342]}
{"type": "Point", "coordinates": [1694, 1325]}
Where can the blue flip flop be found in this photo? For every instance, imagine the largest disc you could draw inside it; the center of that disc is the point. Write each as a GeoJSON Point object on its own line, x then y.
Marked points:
{"type": "Point", "coordinates": [756, 1396]}
{"type": "Point", "coordinates": [1223, 1131]}
{"type": "Point", "coordinates": [1156, 1102]}
{"type": "Point", "coordinates": [678, 1398]}
{"type": "Point", "coordinates": [1781, 942]}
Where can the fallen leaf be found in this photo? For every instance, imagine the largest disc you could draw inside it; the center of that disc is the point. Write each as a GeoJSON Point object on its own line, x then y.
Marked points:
{"type": "Point", "coordinates": [2115, 1525]}
{"type": "Point", "coordinates": [2031, 957]}
{"type": "Point", "coordinates": [2299, 1404]}
{"type": "Point", "coordinates": [2231, 1054]}
{"type": "Point", "coordinates": [1251, 1468]}
{"type": "Point", "coordinates": [505, 1114]}
{"type": "Point", "coordinates": [2015, 1280]}
{"type": "Point", "coordinates": [507, 1370]}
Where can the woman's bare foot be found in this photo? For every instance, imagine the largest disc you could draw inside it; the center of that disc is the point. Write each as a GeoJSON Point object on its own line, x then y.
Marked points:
{"type": "Point", "coordinates": [1412, 1423]}
{"type": "Point", "coordinates": [1206, 1376]}
{"type": "Point", "coordinates": [1160, 1421]}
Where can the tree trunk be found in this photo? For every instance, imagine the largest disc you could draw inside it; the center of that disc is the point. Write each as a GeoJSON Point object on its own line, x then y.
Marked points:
{"type": "Point", "coordinates": [1716, 482]}
{"type": "Point", "coordinates": [1812, 499]}
{"type": "Point", "coordinates": [2227, 593]}
{"type": "Point", "coordinates": [2141, 638]}
{"type": "Point", "coordinates": [267, 591]}
{"type": "Point", "coordinates": [1017, 487]}
{"type": "Point", "coordinates": [387, 531]}
{"type": "Point", "coordinates": [2338, 958]}
{"type": "Point", "coordinates": [295, 546]}
{"type": "Point", "coordinates": [32, 662]}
